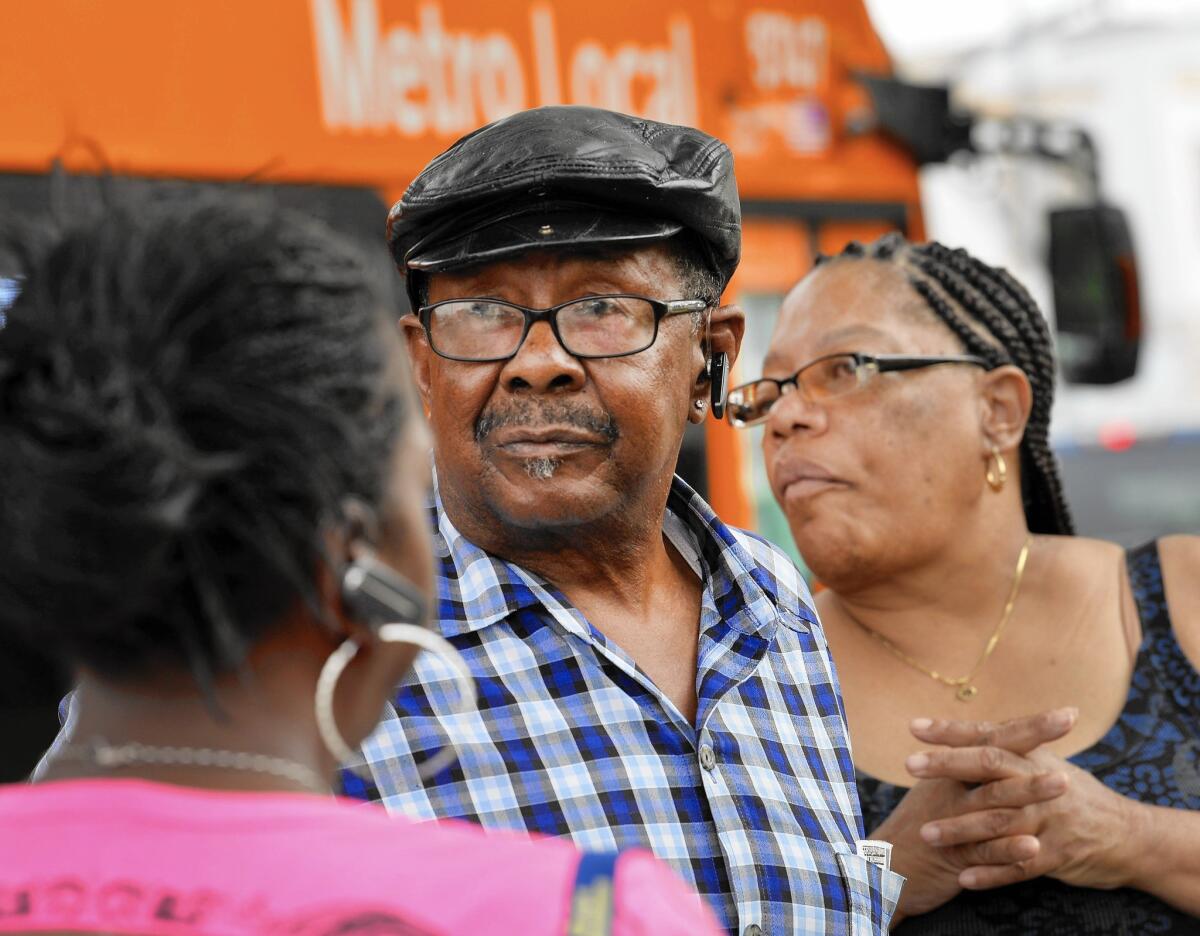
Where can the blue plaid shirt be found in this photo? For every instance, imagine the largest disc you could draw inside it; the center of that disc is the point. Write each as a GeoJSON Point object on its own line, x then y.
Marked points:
{"type": "Point", "coordinates": [755, 803]}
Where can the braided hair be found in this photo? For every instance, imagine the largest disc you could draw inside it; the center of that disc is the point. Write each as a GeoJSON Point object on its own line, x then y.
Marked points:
{"type": "Point", "coordinates": [994, 317]}
{"type": "Point", "coordinates": [189, 391]}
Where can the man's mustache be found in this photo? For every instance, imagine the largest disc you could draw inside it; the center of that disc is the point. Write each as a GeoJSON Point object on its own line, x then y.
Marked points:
{"type": "Point", "coordinates": [528, 413]}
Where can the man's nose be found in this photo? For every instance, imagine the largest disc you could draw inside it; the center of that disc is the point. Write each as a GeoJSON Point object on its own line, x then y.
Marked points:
{"type": "Point", "coordinates": [542, 364]}
{"type": "Point", "coordinates": [794, 412]}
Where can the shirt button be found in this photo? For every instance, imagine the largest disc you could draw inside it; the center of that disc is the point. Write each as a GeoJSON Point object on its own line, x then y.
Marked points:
{"type": "Point", "coordinates": [708, 760]}
{"type": "Point", "coordinates": [753, 930]}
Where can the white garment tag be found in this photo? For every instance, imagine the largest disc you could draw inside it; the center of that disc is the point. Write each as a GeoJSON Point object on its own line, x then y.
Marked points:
{"type": "Point", "coordinates": [876, 852]}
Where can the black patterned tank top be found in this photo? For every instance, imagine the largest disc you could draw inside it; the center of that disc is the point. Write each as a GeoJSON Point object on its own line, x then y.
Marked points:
{"type": "Point", "coordinates": [1151, 754]}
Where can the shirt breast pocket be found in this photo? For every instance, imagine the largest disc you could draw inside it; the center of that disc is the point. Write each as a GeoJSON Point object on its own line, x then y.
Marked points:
{"type": "Point", "coordinates": [873, 891]}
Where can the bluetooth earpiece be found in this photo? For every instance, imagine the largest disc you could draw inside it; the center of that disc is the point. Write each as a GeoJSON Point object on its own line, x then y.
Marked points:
{"type": "Point", "coordinates": [718, 376]}
{"type": "Point", "coordinates": [376, 595]}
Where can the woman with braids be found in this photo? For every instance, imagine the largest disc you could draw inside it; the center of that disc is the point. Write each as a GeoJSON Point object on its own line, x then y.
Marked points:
{"type": "Point", "coordinates": [906, 403]}
{"type": "Point", "coordinates": [213, 473]}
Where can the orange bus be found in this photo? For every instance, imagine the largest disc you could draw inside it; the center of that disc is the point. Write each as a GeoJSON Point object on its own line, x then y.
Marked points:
{"type": "Point", "coordinates": [337, 104]}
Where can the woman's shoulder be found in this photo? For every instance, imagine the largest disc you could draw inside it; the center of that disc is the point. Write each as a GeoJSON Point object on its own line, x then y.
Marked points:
{"type": "Point", "coordinates": [1083, 551]}
{"type": "Point", "coordinates": [1179, 564]}
{"type": "Point", "coordinates": [1180, 552]}
{"type": "Point", "coordinates": [317, 857]}
{"type": "Point", "coordinates": [296, 857]}
{"type": "Point", "coordinates": [1080, 565]}
{"type": "Point", "coordinates": [205, 819]}
{"type": "Point", "coordinates": [1179, 558]}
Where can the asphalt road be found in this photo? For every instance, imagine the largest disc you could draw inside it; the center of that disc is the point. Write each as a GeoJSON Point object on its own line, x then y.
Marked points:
{"type": "Point", "coordinates": [1148, 490]}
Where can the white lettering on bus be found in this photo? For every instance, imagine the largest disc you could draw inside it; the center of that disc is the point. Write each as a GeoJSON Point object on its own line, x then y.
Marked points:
{"type": "Point", "coordinates": [411, 81]}
{"type": "Point", "coordinates": [430, 79]}
{"type": "Point", "coordinates": [545, 54]}
{"type": "Point", "coordinates": [788, 51]}
{"type": "Point", "coordinates": [654, 81]}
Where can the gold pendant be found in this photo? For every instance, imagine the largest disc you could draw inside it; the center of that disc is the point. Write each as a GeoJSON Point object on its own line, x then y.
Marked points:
{"type": "Point", "coordinates": [966, 693]}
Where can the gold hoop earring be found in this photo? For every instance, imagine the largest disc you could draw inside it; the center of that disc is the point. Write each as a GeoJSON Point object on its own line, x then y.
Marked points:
{"type": "Point", "coordinates": [997, 470]}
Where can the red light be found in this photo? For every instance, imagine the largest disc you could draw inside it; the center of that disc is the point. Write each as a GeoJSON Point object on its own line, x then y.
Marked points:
{"type": "Point", "coordinates": [1118, 436]}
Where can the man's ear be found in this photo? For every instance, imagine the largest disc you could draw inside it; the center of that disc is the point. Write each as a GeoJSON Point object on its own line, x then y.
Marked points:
{"type": "Point", "coordinates": [420, 355]}
{"type": "Point", "coordinates": [726, 327]}
{"type": "Point", "coordinates": [1006, 399]}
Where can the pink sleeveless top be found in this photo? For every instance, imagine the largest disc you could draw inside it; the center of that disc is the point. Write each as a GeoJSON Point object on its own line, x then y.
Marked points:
{"type": "Point", "coordinates": [132, 857]}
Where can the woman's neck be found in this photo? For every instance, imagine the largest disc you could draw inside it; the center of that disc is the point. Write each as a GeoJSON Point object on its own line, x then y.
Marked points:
{"type": "Point", "coordinates": [268, 714]}
{"type": "Point", "coordinates": [946, 597]}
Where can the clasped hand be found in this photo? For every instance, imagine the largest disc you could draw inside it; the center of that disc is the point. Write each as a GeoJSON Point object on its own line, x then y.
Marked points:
{"type": "Point", "coordinates": [992, 807]}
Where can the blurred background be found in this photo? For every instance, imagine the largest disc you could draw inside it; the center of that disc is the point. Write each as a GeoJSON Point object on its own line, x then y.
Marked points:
{"type": "Point", "coordinates": [1058, 138]}
{"type": "Point", "coordinates": [1126, 72]}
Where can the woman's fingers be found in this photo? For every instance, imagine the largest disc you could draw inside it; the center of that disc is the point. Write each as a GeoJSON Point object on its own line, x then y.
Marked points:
{"type": "Point", "coordinates": [1016, 852]}
{"type": "Point", "coordinates": [978, 827]}
{"type": "Point", "coordinates": [1020, 735]}
{"type": "Point", "coordinates": [984, 877]}
{"type": "Point", "coordinates": [1015, 792]}
{"type": "Point", "coordinates": [970, 765]}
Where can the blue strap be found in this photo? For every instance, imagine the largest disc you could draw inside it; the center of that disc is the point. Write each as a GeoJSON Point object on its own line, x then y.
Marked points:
{"type": "Point", "coordinates": [592, 899]}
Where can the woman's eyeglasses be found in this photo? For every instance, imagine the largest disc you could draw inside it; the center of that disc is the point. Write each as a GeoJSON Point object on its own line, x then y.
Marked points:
{"type": "Point", "coordinates": [827, 377]}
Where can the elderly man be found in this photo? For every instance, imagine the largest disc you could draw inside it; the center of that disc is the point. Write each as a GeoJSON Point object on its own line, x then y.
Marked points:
{"type": "Point", "coordinates": [647, 675]}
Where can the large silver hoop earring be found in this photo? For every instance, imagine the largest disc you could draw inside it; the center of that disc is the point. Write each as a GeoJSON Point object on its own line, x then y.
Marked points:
{"type": "Point", "coordinates": [332, 671]}
{"type": "Point", "coordinates": [997, 470]}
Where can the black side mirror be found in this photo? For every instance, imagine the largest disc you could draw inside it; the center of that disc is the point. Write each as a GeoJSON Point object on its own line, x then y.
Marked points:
{"type": "Point", "coordinates": [919, 117]}
{"type": "Point", "coordinates": [1096, 298]}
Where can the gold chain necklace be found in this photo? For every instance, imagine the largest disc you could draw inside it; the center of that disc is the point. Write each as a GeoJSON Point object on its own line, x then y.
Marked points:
{"type": "Point", "coordinates": [964, 686]}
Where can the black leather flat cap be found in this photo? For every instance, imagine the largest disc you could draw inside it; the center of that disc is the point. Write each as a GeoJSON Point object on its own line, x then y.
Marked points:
{"type": "Point", "coordinates": [567, 176]}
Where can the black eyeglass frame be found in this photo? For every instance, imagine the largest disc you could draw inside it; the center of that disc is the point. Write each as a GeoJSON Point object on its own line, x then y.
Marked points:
{"type": "Point", "coordinates": [877, 363]}
{"type": "Point", "coordinates": [662, 309]}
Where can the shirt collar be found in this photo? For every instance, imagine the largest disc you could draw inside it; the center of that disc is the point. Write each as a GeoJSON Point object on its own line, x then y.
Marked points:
{"type": "Point", "coordinates": [738, 575]}
{"type": "Point", "coordinates": [477, 589]}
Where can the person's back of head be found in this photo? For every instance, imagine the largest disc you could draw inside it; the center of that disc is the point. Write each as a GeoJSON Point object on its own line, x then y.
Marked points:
{"type": "Point", "coordinates": [188, 392]}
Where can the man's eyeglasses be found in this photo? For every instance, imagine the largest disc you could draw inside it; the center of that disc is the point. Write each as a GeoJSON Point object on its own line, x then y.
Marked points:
{"type": "Point", "coordinates": [831, 376]}
{"type": "Point", "coordinates": [482, 330]}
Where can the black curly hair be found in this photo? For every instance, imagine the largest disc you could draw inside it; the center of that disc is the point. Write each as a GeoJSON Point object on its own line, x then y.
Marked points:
{"type": "Point", "coordinates": [967, 295]}
{"type": "Point", "coordinates": [189, 392]}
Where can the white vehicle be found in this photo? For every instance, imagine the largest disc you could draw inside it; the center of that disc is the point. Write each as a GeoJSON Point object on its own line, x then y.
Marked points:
{"type": "Point", "coordinates": [1130, 449]}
